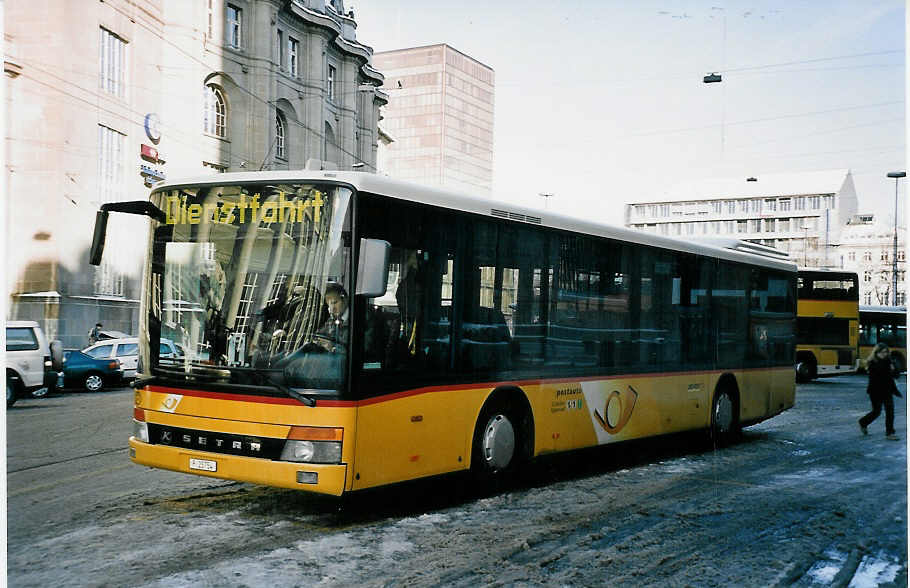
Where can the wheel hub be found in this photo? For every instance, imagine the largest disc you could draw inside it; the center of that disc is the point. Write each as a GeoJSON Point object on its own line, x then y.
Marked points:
{"type": "Point", "coordinates": [498, 442]}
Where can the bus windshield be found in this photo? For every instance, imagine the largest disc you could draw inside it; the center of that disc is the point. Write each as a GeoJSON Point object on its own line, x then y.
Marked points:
{"type": "Point", "coordinates": [252, 280]}
{"type": "Point", "coordinates": [827, 286]}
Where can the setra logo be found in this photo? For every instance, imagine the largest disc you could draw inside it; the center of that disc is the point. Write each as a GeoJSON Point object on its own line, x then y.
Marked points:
{"type": "Point", "coordinates": [617, 410]}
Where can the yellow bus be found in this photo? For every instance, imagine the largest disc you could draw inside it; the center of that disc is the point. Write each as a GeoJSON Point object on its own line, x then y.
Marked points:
{"type": "Point", "coordinates": [883, 324]}
{"type": "Point", "coordinates": [827, 323]}
{"type": "Point", "coordinates": [343, 331]}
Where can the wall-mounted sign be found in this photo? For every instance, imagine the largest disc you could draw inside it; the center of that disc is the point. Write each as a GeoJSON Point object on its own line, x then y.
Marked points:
{"type": "Point", "coordinates": [148, 152]}
{"type": "Point", "coordinates": [153, 127]}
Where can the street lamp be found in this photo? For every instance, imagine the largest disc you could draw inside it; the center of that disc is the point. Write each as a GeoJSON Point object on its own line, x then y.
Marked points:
{"type": "Point", "coordinates": [896, 175]}
{"type": "Point", "coordinates": [546, 198]}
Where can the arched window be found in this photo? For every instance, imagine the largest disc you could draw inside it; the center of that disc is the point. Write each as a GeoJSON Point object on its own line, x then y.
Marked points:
{"type": "Point", "coordinates": [215, 113]}
{"type": "Point", "coordinates": [280, 134]}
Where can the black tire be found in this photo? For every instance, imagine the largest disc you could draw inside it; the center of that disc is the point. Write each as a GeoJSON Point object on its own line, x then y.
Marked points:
{"type": "Point", "coordinates": [93, 382]}
{"type": "Point", "coordinates": [496, 448]}
{"type": "Point", "coordinates": [725, 425]}
{"type": "Point", "coordinates": [806, 371]}
{"type": "Point", "coordinates": [12, 391]}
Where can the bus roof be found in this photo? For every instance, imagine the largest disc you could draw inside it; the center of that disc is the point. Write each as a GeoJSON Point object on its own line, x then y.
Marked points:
{"type": "Point", "coordinates": [386, 186]}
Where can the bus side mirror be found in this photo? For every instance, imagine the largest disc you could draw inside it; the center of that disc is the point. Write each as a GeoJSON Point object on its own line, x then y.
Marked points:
{"type": "Point", "coordinates": [98, 239]}
{"type": "Point", "coordinates": [373, 268]}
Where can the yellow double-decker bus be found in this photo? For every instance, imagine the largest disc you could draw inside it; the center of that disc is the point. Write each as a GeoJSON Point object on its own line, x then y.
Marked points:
{"type": "Point", "coordinates": [827, 323]}
{"type": "Point", "coordinates": [883, 324]}
{"type": "Point", "coordinates": [344, 331]}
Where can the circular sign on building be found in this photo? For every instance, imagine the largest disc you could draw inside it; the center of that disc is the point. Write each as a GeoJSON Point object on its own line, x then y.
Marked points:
{"type": "Point", "coordinates": [153, 127]}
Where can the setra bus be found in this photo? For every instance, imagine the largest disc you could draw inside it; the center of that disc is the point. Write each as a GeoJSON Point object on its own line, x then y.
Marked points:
{"type": "Point", "coordinates": [343, 331]}
{"type": "Point", "coordinates": [883, 324]}
{"type": "Point", "coordinates": [827, 322]}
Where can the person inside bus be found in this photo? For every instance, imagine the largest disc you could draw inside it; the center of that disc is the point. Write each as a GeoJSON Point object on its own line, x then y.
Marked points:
{"type": "Point", "coordinates": [881, 388]}
{"type": "Point", "coordinates": [333, 335]}
{"type": "Point", "coordinates": [405, 334]}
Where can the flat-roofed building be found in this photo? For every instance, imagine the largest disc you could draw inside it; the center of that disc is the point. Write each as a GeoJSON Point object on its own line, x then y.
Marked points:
{"type": "Point", "coordinates": [440, 114]}
{"type": "Point", "coordinates": [802, 214]}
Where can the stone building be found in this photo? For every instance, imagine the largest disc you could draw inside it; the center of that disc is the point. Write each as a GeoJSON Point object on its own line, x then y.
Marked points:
{"type": "Point", "coordinates": [867, 247]}
{"type": "Point", "coordinates": [440, 114]}
{"type": "Point", "coordinates": [104, 98]}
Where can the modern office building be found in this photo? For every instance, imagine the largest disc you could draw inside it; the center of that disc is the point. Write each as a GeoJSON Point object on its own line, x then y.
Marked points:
{"type": "Point", "coordinates": [155, 88]}
{"type": "Point", "coordinates": [440, 115]}
{"type": "Point", "coordinates": [803, 214]}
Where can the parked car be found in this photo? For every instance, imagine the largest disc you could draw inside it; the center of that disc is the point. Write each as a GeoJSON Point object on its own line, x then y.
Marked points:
{"type": "Point", "coordinates": [83, 371]}
{"type": "Point", "coordinates": [31, 362]}
{"type": "Point", "coordinates": [125, 350]}
{"type": "Point", "coordinates": [167, 349]}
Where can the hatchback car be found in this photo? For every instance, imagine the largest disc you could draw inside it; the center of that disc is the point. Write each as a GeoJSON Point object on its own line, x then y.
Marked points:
{"type": "Point", "coordinates": [83, 371]}
{"type": "Point", "coordinates": [124, 350]}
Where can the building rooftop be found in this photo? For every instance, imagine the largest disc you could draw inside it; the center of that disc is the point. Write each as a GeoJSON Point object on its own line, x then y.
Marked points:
{"type": "Point", "coordinates": [789, 184]}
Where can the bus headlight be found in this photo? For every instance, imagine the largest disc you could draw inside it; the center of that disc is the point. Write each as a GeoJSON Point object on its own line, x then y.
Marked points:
{"type": "Point", "coordinates": [141, 431]}
{"type": "Point", "coordinates": [311, 451]}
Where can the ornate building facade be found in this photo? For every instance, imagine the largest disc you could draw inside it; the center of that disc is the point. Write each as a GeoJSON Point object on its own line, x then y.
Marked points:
{"type": "Point", "coordinates": [155, 89]}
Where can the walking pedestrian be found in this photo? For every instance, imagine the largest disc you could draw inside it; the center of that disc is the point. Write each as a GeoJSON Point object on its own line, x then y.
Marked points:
{"type": "Point", "coordinates": [880, 389]}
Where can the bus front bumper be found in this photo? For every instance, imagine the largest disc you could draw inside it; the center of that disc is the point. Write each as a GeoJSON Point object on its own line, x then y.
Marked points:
{"type": "Point", "coordinates": [319, 478]}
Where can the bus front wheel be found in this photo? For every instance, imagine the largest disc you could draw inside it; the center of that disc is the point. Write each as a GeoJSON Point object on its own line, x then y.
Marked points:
{"type": "Point", "coordinates": [806, 370]}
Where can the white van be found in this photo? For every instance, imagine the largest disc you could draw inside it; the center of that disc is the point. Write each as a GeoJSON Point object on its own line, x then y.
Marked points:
{"type": "Point", "coordinates": [124, 350]}
{"type": "Point", "coordinates": [31, 362]}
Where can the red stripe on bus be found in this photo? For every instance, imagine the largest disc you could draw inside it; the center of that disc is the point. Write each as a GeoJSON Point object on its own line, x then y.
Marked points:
{"type": "Point", "coordinates": [442, 388]}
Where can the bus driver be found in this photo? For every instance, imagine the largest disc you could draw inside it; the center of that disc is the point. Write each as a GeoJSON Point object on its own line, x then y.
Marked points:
{"type": "Point", "coordinates": [334, 333]}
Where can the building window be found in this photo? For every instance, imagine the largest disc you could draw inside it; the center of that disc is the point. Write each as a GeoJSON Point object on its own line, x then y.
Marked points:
{"type": "Point", "coordinates": [234, 26]}
{"type": "Point", "coordinates": [293, 49]}
{"type": "Point", "coordinates": [111, 180]}
{"type": "Point", "coordinates": [900, 255]}
{"type": "Point", "coordinates": [769, 225]}
{"type": "Point", "coordinates": [112, 60]}
{"type": "Point", "coordinates": [899, 298]}
{"type": "Point", "coordinates": [664, 210]}
{"type": "Point", "coordinates": [280, 133]}
{"type": "Point", "coordinates": [799, 203]}
{"type": "Point", "coordinates": [867, 276]}
{"type": "Point", "coordinates": [330, 84]}
{"type": "Point", "coordinates": [784, 204]}
{"type": "Point", "coordinates": [814, 202]}
{"type": "Point", "coordinates": [771, 205]}
{"type": "Point", "coordinates": [731, 207]}
{"type": "Point", "coordinates": [884, 256]}
{"type": "Point", "coordinates": [110, 164]}
{"type": "Point", "coordinates": [828, 200]}
{"type": "Point", "coordinates": [210, 24]}
{"type": "Point", "coordinates": [215, 115]}
{"type": "Point", "coordinates": [756, 206]}
{"type": "Point", "coordinates": [867, 256]}
{"type": "Point", "coordinates": [851, 256]}
{"type": "Point", "coordinates": [281, 59]}
{"type": "Point", "coordinates": [867, 298]}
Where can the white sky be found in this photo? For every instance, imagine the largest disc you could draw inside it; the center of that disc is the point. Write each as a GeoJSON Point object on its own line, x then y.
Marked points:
{"type": "Point", "coordinates": [601, 102]}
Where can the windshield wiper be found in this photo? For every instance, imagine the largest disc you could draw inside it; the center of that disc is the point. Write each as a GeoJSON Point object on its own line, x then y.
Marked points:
{"type": "Point", "coordinates": [307, 400]}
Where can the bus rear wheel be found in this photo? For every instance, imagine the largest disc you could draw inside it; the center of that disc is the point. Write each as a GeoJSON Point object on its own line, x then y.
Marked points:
{"type": "Point", "coordinates": [725, 426]}
{"type": "Point", "coordinates": [497, 444]}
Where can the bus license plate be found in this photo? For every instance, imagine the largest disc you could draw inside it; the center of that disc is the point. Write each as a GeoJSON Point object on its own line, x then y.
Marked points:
{"type": "Point", "coordinates": [206, 465]}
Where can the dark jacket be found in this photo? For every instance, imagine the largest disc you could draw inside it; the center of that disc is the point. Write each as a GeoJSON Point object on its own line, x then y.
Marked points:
{"type": "Point", "coordinates": [881, 378]}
